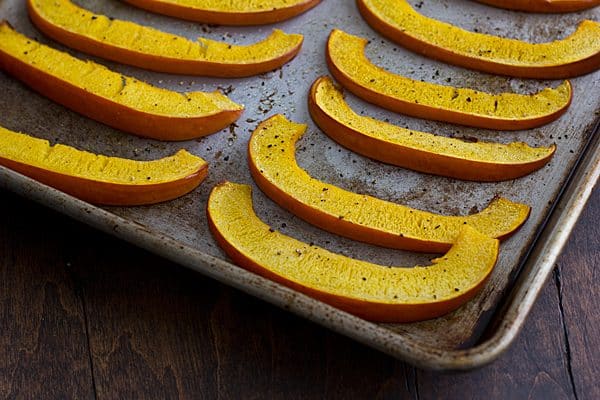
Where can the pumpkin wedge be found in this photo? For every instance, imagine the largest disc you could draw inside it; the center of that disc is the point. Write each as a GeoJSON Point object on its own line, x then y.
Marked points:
{"type": "Point", "coordinates": [109, 97]}
{"type": "Point", "coordinates": [240, 12]}
{"type": "Point", "coordinates": [145, 47]}
{"type": "Point", "coordinates": [543, 6]}
{"type": "Point", "coordinates": [99, 179]}
{"type": "Point", "coordinates": [271, 155]}
{"type": "Point", "coordinates": [505, 111]}
{"type": "Point", "coordinates": [420, 151]}
{"type": "Point", "coordinates": [370, 291]}
{"type": "Point", "coordinates": [575, 55]}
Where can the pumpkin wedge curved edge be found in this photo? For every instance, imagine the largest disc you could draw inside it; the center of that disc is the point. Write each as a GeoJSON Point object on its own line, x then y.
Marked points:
{"type": "Point", "coordinates": [149, 48]}
{"type": "Point", "coordinates": [272, 161]}
{"type": "Point", "coordinates": [119, 101]}
{"type": "Point", "coordinates": [543, 6]}
{"type": "Point", "coordinates": [505, 111]}
{"type": "Point", "coordinates": [420, 151]}
{"type": "Point", "coordinates": [370, 291]}
{"type": "Point", "coordinates": [228, 13]}
{"type": "Point", "coordinates": [99, 179]}
{"type": "Point", "coordinates": [575, 55]}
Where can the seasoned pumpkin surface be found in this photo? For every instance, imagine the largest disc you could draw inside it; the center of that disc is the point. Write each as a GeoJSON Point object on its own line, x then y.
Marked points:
{"type": "Point", "coordinates": [128, 35]}
{"type": "Point", "coordinates": [346, 53]}
{"type": "Point", "coordinates": [468, 262]}
{"type": "Point", "coordinates": [237, 6]}
{"type": "Point", "coordinates": [69, 161]}
{"type": "Point", "coordinates": [100, 81]}
{"type": "Point", "coordinates": [399, 14]}
{"type": "Point", "coordinates": [272, 158]}
{"type": "Point", "coordinates": [331, 100]}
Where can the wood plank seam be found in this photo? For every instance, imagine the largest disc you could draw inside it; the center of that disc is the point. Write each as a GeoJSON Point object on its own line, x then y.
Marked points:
{"type": "Point", "coordinates": [567, 344]}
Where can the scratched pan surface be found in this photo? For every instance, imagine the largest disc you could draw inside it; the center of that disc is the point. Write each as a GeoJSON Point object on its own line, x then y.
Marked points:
{"type": "Point", "coordinates": [178, 229]}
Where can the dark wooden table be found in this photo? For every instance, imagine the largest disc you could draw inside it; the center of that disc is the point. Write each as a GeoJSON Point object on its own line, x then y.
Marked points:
{"type": "Point", "coordinates": [83, 315]}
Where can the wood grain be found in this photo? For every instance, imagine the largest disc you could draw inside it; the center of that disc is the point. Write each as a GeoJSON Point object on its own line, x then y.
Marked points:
{"type": "Point", "coordinates": [156, 330]}
{"type": "Point", "coordinates": [576, 280]}
{"type": "Point", "coordinates": [535, 366]}
{"type": "Point", "coordinates": [43, 342]}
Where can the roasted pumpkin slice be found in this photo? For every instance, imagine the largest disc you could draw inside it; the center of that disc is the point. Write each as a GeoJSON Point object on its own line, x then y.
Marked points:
{"type": "Point", "coordinates": [145, 47]}
{"type": "Point", "coordinates": [99, 179]}
{"type": "Point", "coordinates": [109, 97]}
{"type": "Point", "coordinates": [478, 161]}
{"type": "Point", "coordinates": [575, 55]}
{"type": "Point", "coordinates": [370, 291]}
{"type": "Point", "coordinates": [273, 166]}
{"type": "Point", "coordinates": [543, 6]}
{"type": "Point", "coordinates": [505, 111]}
{"type": "Point", "coordinates": [240, 12]}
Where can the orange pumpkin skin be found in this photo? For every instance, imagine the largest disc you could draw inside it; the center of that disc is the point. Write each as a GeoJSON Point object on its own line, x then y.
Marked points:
{"type": "Point", "coordinates": [356, 303]}
{"type": "Point", "coordinates": [430, 50]}
{"type": "Point", "coordinates": [390, 313]}
{"type": "Point", "coordinates": [418, 160]}
{"type": "Point", "coordinates": [153, 62]}
{"type": "Point", "coordinates": [426, 112]}
{"type": "Point", "coordinates": [101, 179]}
{"type": "Point", "coordinates": [362, 231]}
{"type": "Point", "coordinates": [224, 18]}
{"type": "Point", "coordinates": [106, 193]}
{"type": "Point", "coordinates": [438, 114]}
{"type": "Point", "coordinates": [349, 229]}
{"type": "Point", "coordinates": [543, 6]}
{"type": "Point", "coordinates": [154, 126]}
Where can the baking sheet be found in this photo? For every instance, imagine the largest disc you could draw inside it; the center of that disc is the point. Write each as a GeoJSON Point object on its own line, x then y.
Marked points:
{"type": "Point", "coordinates": [179, 227]}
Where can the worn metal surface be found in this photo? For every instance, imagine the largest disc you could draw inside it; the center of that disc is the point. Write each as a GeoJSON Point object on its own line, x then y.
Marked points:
{"type": "Point", "coordinates": [179, 231]}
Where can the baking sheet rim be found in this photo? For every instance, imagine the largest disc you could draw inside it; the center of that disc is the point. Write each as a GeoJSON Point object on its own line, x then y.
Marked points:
{"type": "Point", "coordinates": [532, 276]}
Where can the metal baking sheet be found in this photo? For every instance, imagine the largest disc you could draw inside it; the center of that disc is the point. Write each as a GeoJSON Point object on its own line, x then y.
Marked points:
{"type": "Point", "coordinates": [179, 231]}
